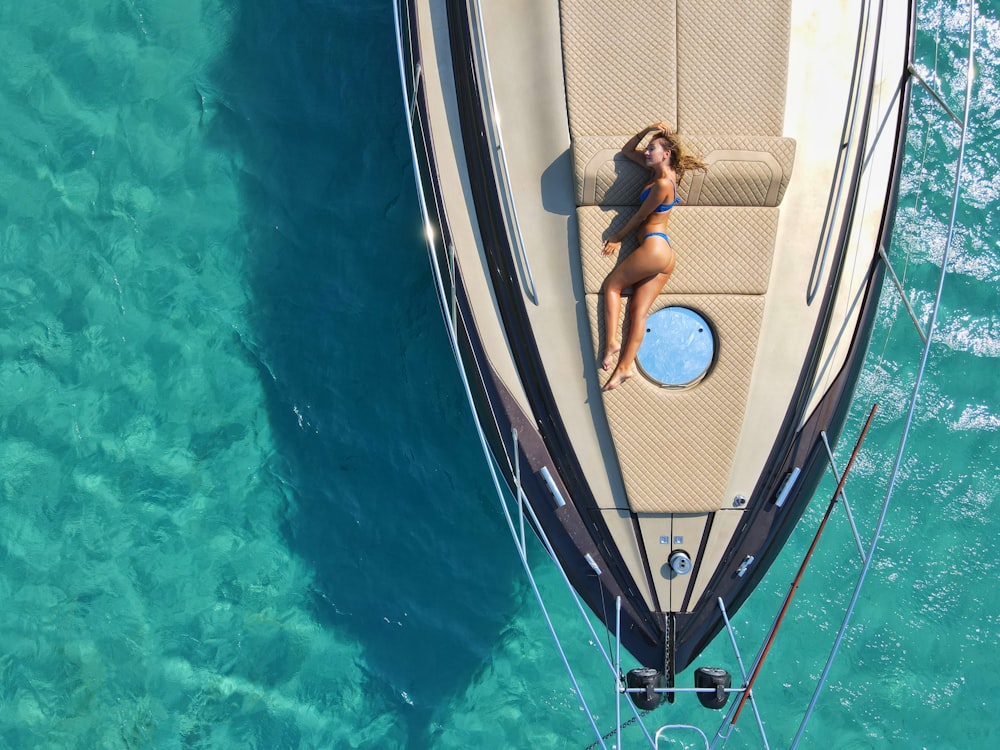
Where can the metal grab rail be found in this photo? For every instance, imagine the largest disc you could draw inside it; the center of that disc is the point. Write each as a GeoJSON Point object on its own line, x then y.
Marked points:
{"type": "Point", "coordinates": [414, 77]}
{"type": "Point", "coordinates": [852, 121]}
{"type": "Point", "coordinates": [496, 142]}
{"type": "Point", "coordinates": [665, 727]}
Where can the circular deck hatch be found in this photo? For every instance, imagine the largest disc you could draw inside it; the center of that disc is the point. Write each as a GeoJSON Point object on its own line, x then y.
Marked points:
{"type": "Point", "coordinates": [678, 349]}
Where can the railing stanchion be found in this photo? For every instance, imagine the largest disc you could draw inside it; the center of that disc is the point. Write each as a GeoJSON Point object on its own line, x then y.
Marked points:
{"type": "Point", "coordinates": [847, 505]}
{"type": "Point", "coordinates": [902, 293]}
{"type": "Point", "coordinates": [453, 284]}
{"type": "Point", "coordinates": [520, 492]}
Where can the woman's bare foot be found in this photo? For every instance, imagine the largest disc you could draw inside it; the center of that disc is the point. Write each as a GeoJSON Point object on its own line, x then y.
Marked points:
{"type": "Point", "coordinates": [609, 356]}
{"type": "Point", "coordinates": [618, 377]}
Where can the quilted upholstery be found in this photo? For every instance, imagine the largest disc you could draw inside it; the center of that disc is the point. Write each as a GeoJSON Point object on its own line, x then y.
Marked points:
{"type": "Point", "coordinates": [620, 64]}
{"type": "Point", "coordinates": [692, 63]}
{"type": "Point", "coordinates": [729, 81]}
{"type": "Point", "coordinates": [676, 447]}
{"type": "Point", "coordinates": [743, 171]}
{"type": "Point", "coordinates": [719, 250]}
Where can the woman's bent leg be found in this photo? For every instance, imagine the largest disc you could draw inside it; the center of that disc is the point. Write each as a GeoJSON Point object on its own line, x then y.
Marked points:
{"type": "Point", "coordinates": [643, 294]}
{"type": "Point", "coordinates": [612, 308]}
{"type": "Point", "coordinates": [646, 262]}
{"type": "Point", "coordinates": [646, 270]}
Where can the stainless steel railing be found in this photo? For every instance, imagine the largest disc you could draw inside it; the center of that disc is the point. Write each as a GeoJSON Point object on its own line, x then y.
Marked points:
{"type": "Point", "coordinates": [501, 171]}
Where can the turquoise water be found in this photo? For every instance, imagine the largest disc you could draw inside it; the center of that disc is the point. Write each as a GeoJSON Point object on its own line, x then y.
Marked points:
{"type": "Point", "coordinates": [232, 438]}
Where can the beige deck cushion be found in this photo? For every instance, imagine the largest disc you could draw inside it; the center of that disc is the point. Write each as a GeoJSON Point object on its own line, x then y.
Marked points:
{"type": "Point", "coordinates": [719, 250]}
{"type": "Point", "coordinates": [732, 66]}
{"type": "Point", "coordinates": [742, 171]}
{"type": "Point", "coordinates": [694, 64]}
{"type": "Point", "coordinates": [676, 447]}
{"type": "Point", "coordinates": [620, 65]}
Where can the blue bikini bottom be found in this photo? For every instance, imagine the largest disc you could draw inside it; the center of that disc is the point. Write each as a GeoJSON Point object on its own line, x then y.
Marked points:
{"type": "Point", "coordinates": [656, 234]}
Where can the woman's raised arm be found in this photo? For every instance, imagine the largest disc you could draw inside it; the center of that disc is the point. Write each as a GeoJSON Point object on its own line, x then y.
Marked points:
{"type": "Point", "coordinates": [631, 148]}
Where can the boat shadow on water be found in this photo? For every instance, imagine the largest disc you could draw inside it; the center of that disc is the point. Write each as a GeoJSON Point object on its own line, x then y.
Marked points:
{"type": "Point", "coordinates": [385, 499]}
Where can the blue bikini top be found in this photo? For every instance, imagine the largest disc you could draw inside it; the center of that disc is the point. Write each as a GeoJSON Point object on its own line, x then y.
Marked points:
{"type": "Point", "coordinates": [663, 207]}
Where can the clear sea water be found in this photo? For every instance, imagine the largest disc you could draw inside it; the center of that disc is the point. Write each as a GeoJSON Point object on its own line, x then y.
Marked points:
{"type": "Point", "coordinates": [233, 440]}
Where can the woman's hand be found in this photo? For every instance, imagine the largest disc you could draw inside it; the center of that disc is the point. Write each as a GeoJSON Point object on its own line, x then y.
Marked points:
{"type": "Point", "coordinates": [662, 126]}
{"type": "Point", "coordinates": [611, 245]}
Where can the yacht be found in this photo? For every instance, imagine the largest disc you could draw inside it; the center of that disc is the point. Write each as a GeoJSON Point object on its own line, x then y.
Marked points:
{"type": "Point", "coordinates": [665, 499]}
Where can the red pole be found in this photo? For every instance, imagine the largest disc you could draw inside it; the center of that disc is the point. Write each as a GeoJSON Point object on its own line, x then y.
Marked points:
{"type": "Point", "coordinates": [802, 568]}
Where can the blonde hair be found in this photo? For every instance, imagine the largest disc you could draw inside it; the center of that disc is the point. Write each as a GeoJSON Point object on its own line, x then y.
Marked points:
{"type": "Point", "coordinates": [680, 159]}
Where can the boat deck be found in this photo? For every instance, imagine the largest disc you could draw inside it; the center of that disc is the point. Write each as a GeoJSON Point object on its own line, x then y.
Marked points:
{"type": "Point", "coordinates": [623, 69]}
{"type": "Point", "coordinates": [572, 83]}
